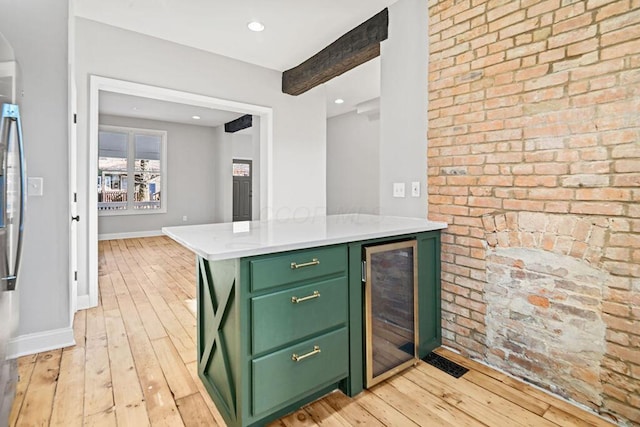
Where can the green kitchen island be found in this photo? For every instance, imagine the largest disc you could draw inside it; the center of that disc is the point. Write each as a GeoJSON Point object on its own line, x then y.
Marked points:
{"type": "Point", "coordinates": [280, 307]}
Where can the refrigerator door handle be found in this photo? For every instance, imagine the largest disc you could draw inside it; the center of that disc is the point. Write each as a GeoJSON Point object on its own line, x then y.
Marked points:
{"type": "Point", "coordinates": [11, 112]}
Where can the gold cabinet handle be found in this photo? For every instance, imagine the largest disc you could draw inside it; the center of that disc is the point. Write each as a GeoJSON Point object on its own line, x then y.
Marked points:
{"type": "Point", "coordinates": [296, 358]}
{"type": "Point", "coordinates": [296, 300]}
{"type": "Point", "coordinates": [295, 266]}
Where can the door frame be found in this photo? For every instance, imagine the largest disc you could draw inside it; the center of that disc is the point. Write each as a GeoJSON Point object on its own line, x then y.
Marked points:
{"type": "Point", "coordinates": [98, 84]}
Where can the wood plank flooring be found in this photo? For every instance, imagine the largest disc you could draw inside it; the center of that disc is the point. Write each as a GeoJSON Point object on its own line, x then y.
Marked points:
{"type": "Point", "coordinates": [134, 365]}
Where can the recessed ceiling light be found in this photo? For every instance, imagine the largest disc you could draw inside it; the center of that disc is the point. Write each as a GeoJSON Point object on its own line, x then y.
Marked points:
{"type": "Point", "coordinates": [255, 26]}
{"type": "Point", "coordinates": [195, 117]}
{"type": "Point", "coordinates": [339, 101]}
{"type": "Point", "coordinates": [134, 108]}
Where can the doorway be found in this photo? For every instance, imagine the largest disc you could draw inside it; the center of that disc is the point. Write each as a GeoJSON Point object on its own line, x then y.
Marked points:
{"type": "Point", "coordinates": [242, 190]}
{"type": "Point", "coordinates": [88, 295]}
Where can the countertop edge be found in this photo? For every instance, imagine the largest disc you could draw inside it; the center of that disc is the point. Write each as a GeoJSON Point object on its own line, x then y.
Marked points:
{"type": "Point", "coordinates": [284, 247]}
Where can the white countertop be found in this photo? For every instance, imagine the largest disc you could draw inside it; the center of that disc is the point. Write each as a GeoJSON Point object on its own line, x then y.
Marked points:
{"type": "Point", "coordinates": [235, 240]}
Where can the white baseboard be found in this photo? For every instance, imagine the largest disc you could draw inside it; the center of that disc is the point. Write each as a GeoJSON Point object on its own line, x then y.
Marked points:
{"type": "Point", "coordinates": [24, 345]}
{"type": "Point", "coordinates": [84, 302]}
{"type": "Point", "coordinates": [130, 235]}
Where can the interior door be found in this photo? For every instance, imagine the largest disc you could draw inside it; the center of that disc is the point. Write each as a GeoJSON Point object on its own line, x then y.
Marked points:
{"type": "Point", "coordinates": [242, 194]}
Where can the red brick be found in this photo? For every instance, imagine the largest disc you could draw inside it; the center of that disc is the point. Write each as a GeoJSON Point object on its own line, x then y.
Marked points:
{"type": "Point", "coordinates": [592, 208]}
{"type": "Point", "coordinates": [591, 167]}
{"type": "Point", "coordinates": [454, 30]}
{"type": "Point", "coordinates": [537, 156]}
{"type": "Point", "coordinates": [551, 169]}
{"type": "Point", "coordinates": [570, 11]}
{"type": "Point", "coordinates": [503, 67]}
{"type": "Point", "coordinates": [625, 239]}
{"type": "Point", "coordinates": [624, 49]}
{"type": "Point", "coordinates": [557, 207]}
{"type": "Point", "coordinates": [468, 14]}
{"type": "Point", "coordinates": [519, 28]}
{"type": "Point", "coordinates": [543, 7]}
{"type": "Point", "coordinates": [603, 194]}
{"type": "Point", "coordinates": [627, 180]}
{"type": "Point", "coordinates": [550, 194]}
{"type": "Point", "coordinates": [498, 12]}
{"type": "Point", "coordinates": [571, 37]}
{"type": "Point", "coordinates": [579, 21]}
{"type": "Point", "coordinates": [612, 9]}
{"type": "Point", "coordinates": [536, 181]}
{"type": "Point", "coordinates": [506, 21]}
{"type": "Point", "coordinates": [549, 80]}
{"type": "Point", "coordinates": [627, 165]}
{"type": "Point", "coordinates": [583, 47]}
{"type": "Point", "coordinates": [551, 55]}
{"type": "Point", "coordinates": [504, 90]}
{"type": "Point", "coordinates": [612, 24]}
{"type": "Point", "coordinates": [622, 35]}
{"type": "Point", "coordinates": [523, 205]}
{"type": "Point", "coordinates": [533, 72]}
{"type": "Point", "coordinates": [452, 10]}
{"type": "Point", "coordinates": [538, 301]}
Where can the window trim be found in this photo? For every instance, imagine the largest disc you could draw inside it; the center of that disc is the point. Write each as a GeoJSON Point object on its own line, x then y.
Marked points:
{"type": "Point", "coordinates": [131, 131]}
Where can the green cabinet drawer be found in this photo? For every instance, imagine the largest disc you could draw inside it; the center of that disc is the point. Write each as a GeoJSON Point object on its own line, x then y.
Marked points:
{"type": "Point", "coordinates": [295, 266]}
{"type": "Point", "coordinates": [277, 319]}
{"type": "Point", "coordinates": [278, 379]}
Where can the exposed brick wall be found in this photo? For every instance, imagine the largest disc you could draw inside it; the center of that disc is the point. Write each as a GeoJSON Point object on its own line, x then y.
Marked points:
{"type": "Point", "coordinates": [534, 142]}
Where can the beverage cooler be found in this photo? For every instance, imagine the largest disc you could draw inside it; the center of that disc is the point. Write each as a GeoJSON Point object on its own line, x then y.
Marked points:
{"type": "Point", "coordinates": [391, 314]}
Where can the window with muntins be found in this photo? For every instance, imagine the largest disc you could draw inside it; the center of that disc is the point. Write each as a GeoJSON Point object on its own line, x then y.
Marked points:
{"type": "Point", "coordinates": [131, 171]}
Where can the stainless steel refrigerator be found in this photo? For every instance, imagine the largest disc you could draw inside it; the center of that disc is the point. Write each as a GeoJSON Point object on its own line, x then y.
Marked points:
{"type": "Point", "coordinates": [12, 204]}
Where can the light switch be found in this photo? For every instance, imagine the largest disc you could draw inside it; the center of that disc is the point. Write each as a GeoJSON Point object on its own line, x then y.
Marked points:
{"type": "Point", "coordinates": [34, 186]}
{"type": "Point", "coordinates": [398, 189]}
{"type": "Point", "coordinates": [415, 189]}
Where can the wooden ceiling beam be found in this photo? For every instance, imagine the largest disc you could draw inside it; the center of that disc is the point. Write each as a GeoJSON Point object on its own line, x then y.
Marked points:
{"type": "Point", "coordinates": [240, 123]}
{"type": "Point", "coordinates": [352, 49]}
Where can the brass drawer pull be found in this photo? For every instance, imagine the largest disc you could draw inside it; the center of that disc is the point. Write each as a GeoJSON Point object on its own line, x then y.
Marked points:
{"type": "Point", "coordinates": [295, 266]}
{"type": "Point", "coordinates": [296, 300]}
{"type": "Point", "coordinates": [296, 358]}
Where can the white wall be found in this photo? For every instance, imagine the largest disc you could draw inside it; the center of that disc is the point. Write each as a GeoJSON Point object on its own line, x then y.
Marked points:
{"type": "Point", "coordinates": [299, 127]}
{"type": "Point", "coordinates": [403, 108]}
{"type": "Point", "coordinates": [37, 29]}
{"type": "Point", "coordinates": [246, 146]}
{"type": "Point", "coordinates": [242, 146]}
{"type": "Point", "coordinates": [190, 192]}
{"type": "Point", "coordinates": [255, 184]}
{"type": "Point", "coordinates": [223, 175]}
{"type": "Point", "coordinates": [353, 157]}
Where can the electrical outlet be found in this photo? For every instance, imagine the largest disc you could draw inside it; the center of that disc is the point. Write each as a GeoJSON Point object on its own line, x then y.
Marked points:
{"type": "Point", "coordinates": [398, 189]}
{"type": "Point", "coordinates": [184, 218]}
{"type": "Point", "coordinates": [415, 189]}
{"type": "Point", "coordinates": [35, 186]}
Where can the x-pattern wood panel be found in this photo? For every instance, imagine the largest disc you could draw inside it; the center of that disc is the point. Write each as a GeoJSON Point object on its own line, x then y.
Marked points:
{"type": "Point", "coordinates": [214, 345]}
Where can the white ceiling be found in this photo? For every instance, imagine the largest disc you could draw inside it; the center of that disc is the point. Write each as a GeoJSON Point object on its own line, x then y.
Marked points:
{"type": "Point", "coordinates": [294, 31]}
{"type": "Point", "coordinates": [118, 104]}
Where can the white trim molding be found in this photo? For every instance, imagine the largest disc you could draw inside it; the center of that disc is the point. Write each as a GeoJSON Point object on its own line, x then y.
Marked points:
{"type": "Point", "coordinates": [38, 342]}
{"type": "Point", "coordinates": [99, 84]}
{"type": "Point", "coordinates": [83, 302]}
{"type": "Point", "coordinates": [129, 235]}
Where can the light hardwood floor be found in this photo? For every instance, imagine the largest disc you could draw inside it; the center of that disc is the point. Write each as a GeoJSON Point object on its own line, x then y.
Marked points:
{"type": "Point", "coordinates": [135, 364]}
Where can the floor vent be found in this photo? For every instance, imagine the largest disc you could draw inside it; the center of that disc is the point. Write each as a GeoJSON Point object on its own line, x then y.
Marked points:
{"type": "Point", "coordinates": [445, 365]}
